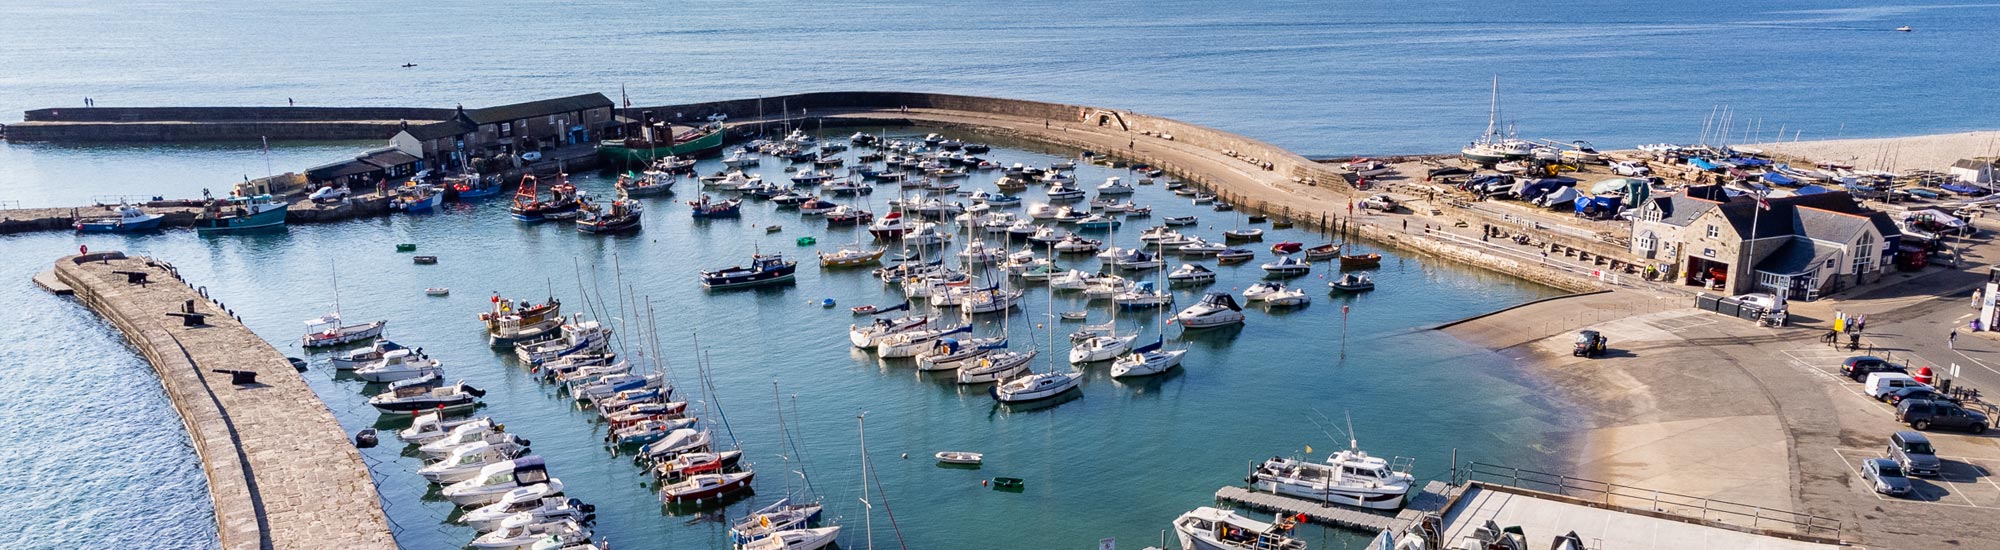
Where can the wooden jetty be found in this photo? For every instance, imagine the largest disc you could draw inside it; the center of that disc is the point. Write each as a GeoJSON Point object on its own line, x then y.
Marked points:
{"type": "Point", "coordinates": [1431, 499]}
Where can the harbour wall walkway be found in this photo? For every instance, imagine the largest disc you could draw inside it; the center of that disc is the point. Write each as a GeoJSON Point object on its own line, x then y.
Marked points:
{"type": "Point", "coordinates": [169, 124]}
{"type": "Point", "coordinates": [280, 469]}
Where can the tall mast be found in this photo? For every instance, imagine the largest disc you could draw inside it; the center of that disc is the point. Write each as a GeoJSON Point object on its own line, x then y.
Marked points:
{"type": "Point", "coordinates": [1493, 109]}
{"type": "Point", "coordinates": [868, 510]}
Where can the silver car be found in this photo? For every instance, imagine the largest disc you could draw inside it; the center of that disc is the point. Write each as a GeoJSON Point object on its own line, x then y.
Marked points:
{"type": "Point", "coordinates": [1885, 477]}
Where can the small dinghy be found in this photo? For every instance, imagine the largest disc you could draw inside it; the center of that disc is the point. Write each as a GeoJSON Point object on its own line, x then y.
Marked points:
{"type": "Point", "coordinates": [1323, 252]}
{"type": "Point", "coordinates": [1360, 261]}
{"type": "Point", "coordinates": [1243, 235]}
{"type": "Point", "coordinates": [1075, 315]}
{"type": "Point", "coordinates": [437, 291]}
{"type": "Point", "coordinates": [863, 310]}
{"type": "Point", "coordinates": [1287, 247]}
{"type": "Point", "coordinates": [959, 457]}
{"type": "Point", "coordinates": [1353, 282]}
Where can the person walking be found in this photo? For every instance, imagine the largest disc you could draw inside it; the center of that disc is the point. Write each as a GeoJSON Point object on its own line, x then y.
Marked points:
{"type": "Point", "coordinates": [1951, 342]}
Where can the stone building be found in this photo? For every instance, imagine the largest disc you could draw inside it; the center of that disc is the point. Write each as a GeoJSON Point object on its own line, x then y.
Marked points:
{"type": "Point", "coordinates": [1803, 246]}
{"type": "Point", "coordinates": [508, 129]}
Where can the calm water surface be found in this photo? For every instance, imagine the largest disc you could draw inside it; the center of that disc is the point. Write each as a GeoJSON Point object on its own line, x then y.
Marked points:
{"type": "Point", "coordinates": [1117, 459]}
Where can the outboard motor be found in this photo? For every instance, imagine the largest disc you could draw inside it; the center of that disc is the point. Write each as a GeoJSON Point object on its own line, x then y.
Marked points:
{"type": "Point", "coordinates": [475, 392]}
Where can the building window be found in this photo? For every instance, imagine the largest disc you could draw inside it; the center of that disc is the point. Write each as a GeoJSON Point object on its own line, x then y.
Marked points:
{"type": "Point", "coordinates": [1712, 232]}
{"type": "Point", "coordinates": [1646, 243]}
{"type": "Point", "coordinates": [507, 130]}
{"type": "Point", "coordinates": [1864, 253]}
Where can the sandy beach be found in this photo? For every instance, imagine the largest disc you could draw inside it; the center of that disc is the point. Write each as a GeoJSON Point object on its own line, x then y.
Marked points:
{"type": "Point", "coordinates": [1928, 152]}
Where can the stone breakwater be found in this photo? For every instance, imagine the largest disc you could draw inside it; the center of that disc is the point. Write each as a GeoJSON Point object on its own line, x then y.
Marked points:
{"type": "Point", "coordinates": [280, 469]}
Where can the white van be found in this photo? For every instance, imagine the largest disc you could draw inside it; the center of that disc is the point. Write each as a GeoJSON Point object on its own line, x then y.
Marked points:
{"type": "Point", "coordinates": [1881, 384]}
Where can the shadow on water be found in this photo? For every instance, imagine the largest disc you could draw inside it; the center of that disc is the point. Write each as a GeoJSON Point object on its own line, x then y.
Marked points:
{"type": "Point", "coordinates": [1149, 386]}
{"type": "Point", "coordinates": [1211, 338]}
{"type": "Point", "coordinates": [1004, 409]}
{"type": "Point", "coordinates": [698, 507]}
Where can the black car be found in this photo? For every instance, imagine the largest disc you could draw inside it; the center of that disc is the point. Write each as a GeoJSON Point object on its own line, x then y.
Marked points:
{"type": "Point", "coordinates": [1918, 392]}
{"type": "Point", "coordinates": [1860, 366]}
{"type": "Point", "coordinates": [1589, 343]}
{"type": "Point", "coordinates": [1923, 414]}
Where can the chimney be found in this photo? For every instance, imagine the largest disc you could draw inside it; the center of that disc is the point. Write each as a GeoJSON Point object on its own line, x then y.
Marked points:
{"type": "Point", "coordinates": [404, 124]}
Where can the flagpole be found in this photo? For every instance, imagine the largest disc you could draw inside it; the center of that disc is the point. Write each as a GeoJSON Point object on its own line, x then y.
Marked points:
{"type": "Point", "coordinates": [1751, 262]}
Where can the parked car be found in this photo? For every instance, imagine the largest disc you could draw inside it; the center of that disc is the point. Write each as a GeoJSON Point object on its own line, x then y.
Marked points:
{"type": "Point", "coordinates": [1589, 343]}
{"type": "Point", "coordinates": [1880, 384]}
{"type": "Point", "coordinates": [1379, 202]}
{"type": "Point", "coordinates": [1912, 451]}
{"type": "Point", "coordinates": [1765, 301]}
{"type": "Point", "coordinates": [1923, 414]}
{"type": "Point", "coordinates": [328, 193]}
{"type": "Point", "coordinates": [1860, 366]}
{"type": "Point", "coordinates": [1897, 397]}
{"type": "Point", "coordinates": [1633, 169]}
{"type": "Point", "coordinates": [1885, 477]}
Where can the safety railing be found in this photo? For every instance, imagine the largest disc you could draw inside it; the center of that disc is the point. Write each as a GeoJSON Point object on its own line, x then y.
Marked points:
{"type": "Point", "coordinates": [1701, 509]}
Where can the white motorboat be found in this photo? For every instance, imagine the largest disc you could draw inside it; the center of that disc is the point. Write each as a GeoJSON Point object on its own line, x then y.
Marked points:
{"type": "Point", "coordinates": [1203, 198]}
{"type": "Point", "coordinates": [430, 426]}
{"type": "Point", "coordinates": [740, 159]}
{"type": "Point", "coordinates": [796, 539]}
{"type": "Point", "coordinates": [1100, 348]}
{"type": "Point", "coordinates": [1114, 186]}
{"type": "Point", "coordinates": [1153, 235]}
{"type": "Point", "coordinates": [909, 344]}
{"type": "Point", "coordinates": [1143, 295]}
{"type": "Point", "coordinates": [737, 181]}
{"type": "Point", "coordinates": [356, 358]}
{"type": "Point", "coordinates": [1147, 360]}
{"type": "Point", "coordinates": [1137, 260]}
{"type": "Point", "coordinates": [466, 434]}
{"type": "Point", "coordinates": [977, 253]}
{"type": "Point", "coordinates": [995, 367]}
{"type": "Point", "coordinates": [959, 457]}
{"type": "Point", "coordinates": [402, 364]}
{"type": "Point", "coordinates": [1287, 266]}
{"type": "Point", "coordinates": [1350, 477]}
{"type": "Point", "coordinates": [1070, 280]}
{"type": "Point", "coordinates": [991, 299]}
{"type": "Point", "coordinates": [1059, 192]}
{"type": "Point", "coordinates": [1077, 245]}
{"type": "Point", "coordinates": [779, 516]}
{"type": "Point", "coordinates": [327, 331]}
{"type": "Point", "coordinates": [495, 480]}
{"type": "Point", "coordinates": [1214, 310]}
{"type": "Point", "coordinates": [1106, 287]}
{"type": "Point", "coordinates": [467, 460]}
{"type": "Point", "coordinates": [1257, 292]}
{"type": "Point", "coordinates": [1191, 274]}
{"type": "Point", "coordinates": [1201, 247]}
{"type": "Point", "coordinates": [533, 500]}
{"type": "Point", "coordinates": [1176, 221]}
{"type": "Point", "coordinates": [952, 353]}
{"type": "Point", "coordinates": [522, 532]}
{"type": "Point", "coordinates": [1288, 298]}
{"type": "Point", "coordinates": [1352, 282]}
{"type": "Point", "coordinates": [1207, 528]}
{"type": "Point", "coordinates": [1036, 386]}
{"type": "Point", "coordinates": [1043, 212]}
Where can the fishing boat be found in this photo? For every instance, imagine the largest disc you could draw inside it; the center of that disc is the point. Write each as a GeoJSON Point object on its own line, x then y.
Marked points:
{"type": "Point", "coordinates": [415, 198]}
{"type": "Point", "coordinates": [662, 139]}
{"type": "Point", "coordinates": [960, 457]}
{"type": "Point", "coordinates": [1350, 477]}
{"type": "Point", "coordinates": [647, 184]}
{"type": "Point", "coordinates": [622, 216]}
{"type": "Point", "coordinates": [1114, 186]}
{"type": "Point", "coordinates": [495, 480]}
{"type": "Point", "coordinates": [356, 358]}
{"type": "Point", "coordinates": [448, 399]}
{"type": "Point", "coordinates": [1322, 252]}
{"type": "Point", "coordinates": [472, 186]}
{"type": "Point", "coordinates": [1353, 282]}
{"type": "Point", "coordinates": [130, 219]}
{"type": "Point", "coordinates": [402, 364]}
{"type": "Point", "coordinates": [1215, 309]}
{"type": "Point", "coordinates": [529, 206]}
{"type": "Point", "coordinates": [764, 269]}
{"type": "Point", "coordinates": [1243, 235]}
{"type": "Point", "coordinates": [851, 257]}
{"type": "Point", "coordinates": [1207, 528]}
{"type": "Point", "coordinates": [240, 214]}
{"type": "Point", "coordinates": [327, 331]}
{"type": "Point", "coordinates": [1287, 266]}
{"type": "Point", "coordinates": [508, 321]}
{"type": "Point", "coordinates": [705, 487]}
{"type": "Point", "coordinates": [1360, 261]}
{"type": "Point", "coordinates": [704, 208]}
{"type": "Point", "coordinates": [1203, 198]}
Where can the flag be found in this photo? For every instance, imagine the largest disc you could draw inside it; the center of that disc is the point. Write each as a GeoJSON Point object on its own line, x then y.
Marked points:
{"type": "Point", "coordinates": [1309, 449]}
{"type": "Point", "coordinates": [1763, 201]}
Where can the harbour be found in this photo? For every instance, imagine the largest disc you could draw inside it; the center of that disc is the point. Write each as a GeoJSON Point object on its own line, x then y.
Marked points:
{"type": "Point", "coordinates": [1091, 294]}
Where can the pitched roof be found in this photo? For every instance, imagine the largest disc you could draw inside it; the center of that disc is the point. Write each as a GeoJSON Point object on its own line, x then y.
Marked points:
{"type": "Point", "coordinates": [517, 111]}
{"type": "Point", "coordinates": [1681, 210]}
{"type": "Point", "coordinates": [340, 169]}
{"type": "Point", "coordinates": [439, 130]}
{"type": "Point", "coordinates": [387, 157]}
{"type": "Point", "coordinates": [1798, 255]}
{"type": "Point", "coordinates": [1827, 216]}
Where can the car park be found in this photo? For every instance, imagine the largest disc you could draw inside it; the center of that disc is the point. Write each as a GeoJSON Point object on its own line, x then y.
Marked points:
{"type": "Point", "coordinates": [1913, 452]}
{"type": "Point", "coordinates": [1924, 414]}
{"type": "Point", "coordinates": [1860, 366]}
{"type": "Point", "coordinates": [1896, 397]}
{"type": "Point", "coordinates": [1885, 477]}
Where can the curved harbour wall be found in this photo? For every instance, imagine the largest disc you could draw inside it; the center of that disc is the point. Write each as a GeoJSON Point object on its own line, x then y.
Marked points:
{"type": "Point", "coordinates": [280, 470]}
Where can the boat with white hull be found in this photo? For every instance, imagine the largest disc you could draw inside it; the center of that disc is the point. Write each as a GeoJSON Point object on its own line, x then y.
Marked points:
{"type": "Point", "coordinates": [1349, 478]}
{"type": "Point", "coordinates": [495, 480]}
{"type": "Point", "coordinates": [402, 364]}
{"type": "Point", "coordinates": [1207, 528]}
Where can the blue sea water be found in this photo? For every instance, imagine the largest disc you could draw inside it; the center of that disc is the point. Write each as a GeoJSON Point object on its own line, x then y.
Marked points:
{"type": "Point", "coordinates": [97, 452]}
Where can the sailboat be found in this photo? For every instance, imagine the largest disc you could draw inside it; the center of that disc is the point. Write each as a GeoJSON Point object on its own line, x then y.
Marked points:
{"type": "Point", "coordinates": [1492, 147]}
{"type": "Point", "coordinates": [1043, 385]}
{"type": "Point", "coordinates": [327, 331]}
{"type": "Point", "coordinates": [1149, 359]}
{"type": "Point", "coordinates": [791, 523]}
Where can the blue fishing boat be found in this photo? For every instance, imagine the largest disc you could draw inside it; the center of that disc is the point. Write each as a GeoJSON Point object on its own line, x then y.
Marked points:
{"type": "Point", "coordinates": [473, 186]}
{"type": "Point", "coordinates": [241, 214]}
{"type": "Point", "coordinates": [529, 206]}
{"type": "Point", "coordinates": [129, 219]}
{"type": "Point", "coordinates": [705, 208]}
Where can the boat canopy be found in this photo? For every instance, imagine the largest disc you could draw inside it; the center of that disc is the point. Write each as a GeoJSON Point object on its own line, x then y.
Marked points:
{"type": "Point", "coordinates": [1775, 178]}
{"type": "Point", "coordinates": [1149, 348]}
{"type": "Point", "coordinates": [1223, 299]}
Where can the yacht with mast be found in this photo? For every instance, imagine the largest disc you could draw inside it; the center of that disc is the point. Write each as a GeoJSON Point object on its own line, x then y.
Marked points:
{"type": "Point", "coordinates": [1036, 386]}
{"type": "Point", "coordinates": [1492, 146]}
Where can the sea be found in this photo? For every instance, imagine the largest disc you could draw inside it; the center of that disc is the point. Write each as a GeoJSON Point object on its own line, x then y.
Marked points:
{"type": "Point", "coordinates": [97, 458]}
